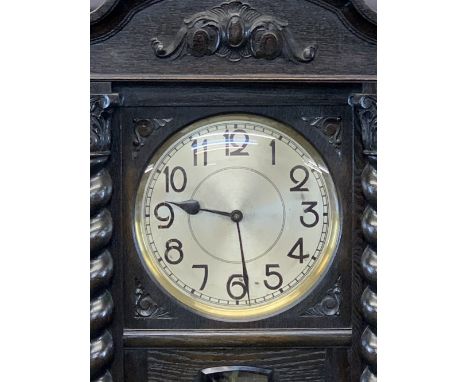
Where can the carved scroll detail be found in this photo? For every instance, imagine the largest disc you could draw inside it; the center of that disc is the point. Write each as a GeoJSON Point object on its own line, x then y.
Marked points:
{"type": "Point", "coordinates": [330, 127]}
{"type": "Point", "coordinates": [100, 112]}
{"type": "Point", "coordinates": [146, 307]}
{"type": "Point", "coordinates": [365, 117]}
{"type": "Point", "coordinates": [101, 267]}
{"type": "Point", "coordinates": [365, 107]}
{"type": "Point", "coordinates": [329, 305]}
{"type": "Point", "coordinates": [234, 31]}
{"type": "Point", "coordinates": [143, 128]}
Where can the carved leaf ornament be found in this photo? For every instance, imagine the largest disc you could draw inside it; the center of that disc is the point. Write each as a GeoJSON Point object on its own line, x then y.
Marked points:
{"type": "Point", "coordinates": [330, 127]}
{"type": "Point", "coordinates": [143, 128]}
{"type": "Point", "coordinates": [146, 307]}
{"type": "Point", "coordinates": [234, 31]}
{"type": "Point", "coordinates": [329, 305]}
{"type": "Point", "coordinates": [99, 124]}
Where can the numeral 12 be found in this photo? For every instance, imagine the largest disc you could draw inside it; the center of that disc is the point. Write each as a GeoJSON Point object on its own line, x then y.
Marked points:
{"type": "Point", "coordinates": [229, 140]}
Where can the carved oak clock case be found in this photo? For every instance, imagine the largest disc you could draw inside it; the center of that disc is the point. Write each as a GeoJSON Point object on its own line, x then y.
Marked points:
{"type": "Point", "coordinates": [233, 191]}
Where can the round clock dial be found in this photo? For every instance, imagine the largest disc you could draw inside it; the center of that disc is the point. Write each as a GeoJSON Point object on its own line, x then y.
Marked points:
{"type": "Point", "coordinates": [237, 217]}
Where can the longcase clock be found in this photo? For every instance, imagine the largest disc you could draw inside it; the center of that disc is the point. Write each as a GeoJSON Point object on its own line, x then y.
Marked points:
{"type": "Point", "coordinates": [233, 191]}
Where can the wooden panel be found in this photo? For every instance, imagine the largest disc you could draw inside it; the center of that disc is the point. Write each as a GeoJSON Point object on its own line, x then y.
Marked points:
{"type": "Point", "coordinates": [233, 94]}
{"type": "Point", "coordinates": [182, 365]}
{"type": "Point", "coordinates": [290, 365]}
{"type": "Point", "coordinates": [163, 313]}
{"type": "Point", "coordinates": [341, 51]}
{"type": "Point", "coordinates": [210, 338]}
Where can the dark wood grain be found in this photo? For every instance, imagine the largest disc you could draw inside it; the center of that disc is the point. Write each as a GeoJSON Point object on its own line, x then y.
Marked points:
{"type": "Point", "coordinates": [233, 94]}
{"type": "Point", "coordinates": [289, 364]}
{"type": "Point", "coordinates": [355, 14]}
{"type": "Point", "coordinates": [235, 78]}
{"type": "Point", "coordinates": [293, 364]}
{"type": "Point", "coordinates": [342, 51]}
{"type": "Point", "coordinates": [210, 338]}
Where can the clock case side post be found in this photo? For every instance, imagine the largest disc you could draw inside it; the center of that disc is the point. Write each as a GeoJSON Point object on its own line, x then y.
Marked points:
{"type": "Point", "coordinates": [101, 229]}
{"type": "Point", "coordinates": [364, 107]}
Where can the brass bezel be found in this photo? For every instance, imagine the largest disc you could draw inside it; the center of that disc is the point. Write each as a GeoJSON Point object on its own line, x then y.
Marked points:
{"type": "Point", "coordinates": [242, 314]}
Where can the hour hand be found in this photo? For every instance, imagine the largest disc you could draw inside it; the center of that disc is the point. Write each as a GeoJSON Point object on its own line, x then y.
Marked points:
{"type": "Point", "coordinates": [192, 207]}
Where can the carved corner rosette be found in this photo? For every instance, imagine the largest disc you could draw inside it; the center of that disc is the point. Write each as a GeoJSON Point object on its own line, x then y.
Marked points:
{"type": "Point", "coordinates": [146, 307]}
{"type": "Point", "coordinates": [143, 128]}
{"type": "Point", "coordinates": [101, 227]}
{"type": "Point", "coordinates": [234, 31]}
{"type": "Point", "coordinates": [329, 304]}
{"type": "Point", "coordinates": [330, 127]}
{"type": "Point", "coordinates": [365, 119]}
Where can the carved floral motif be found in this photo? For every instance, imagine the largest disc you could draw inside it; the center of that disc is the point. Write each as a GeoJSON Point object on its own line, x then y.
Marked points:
{"type": "Point", "coordinates": [143, 128]}
{"type": "Point", "coordinates": [329, 305]}
{"type": "Point", "coordinates": [146, 307]}
{"type": "Point", "coordinates": [328, 126]}
{"type": "Point", "coordinates": [234, 31]}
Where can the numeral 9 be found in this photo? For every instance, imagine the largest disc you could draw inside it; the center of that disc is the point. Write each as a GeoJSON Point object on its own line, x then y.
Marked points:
{"type": "Point", "coordinates": [169, 219]}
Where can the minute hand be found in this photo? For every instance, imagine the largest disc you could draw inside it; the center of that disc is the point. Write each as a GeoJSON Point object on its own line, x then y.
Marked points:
{"type": "Point", "coordinates": [244, 267]}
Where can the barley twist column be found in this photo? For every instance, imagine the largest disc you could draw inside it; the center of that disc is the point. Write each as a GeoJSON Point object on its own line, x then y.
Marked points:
{"type": "Point", "coordinates": [365, 113]}
{"type": "Point", "coordinates": [101, 267]}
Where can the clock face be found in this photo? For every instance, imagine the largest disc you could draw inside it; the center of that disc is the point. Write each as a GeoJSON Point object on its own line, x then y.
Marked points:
{"type": "Point", "coordinates": [237, 217]}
